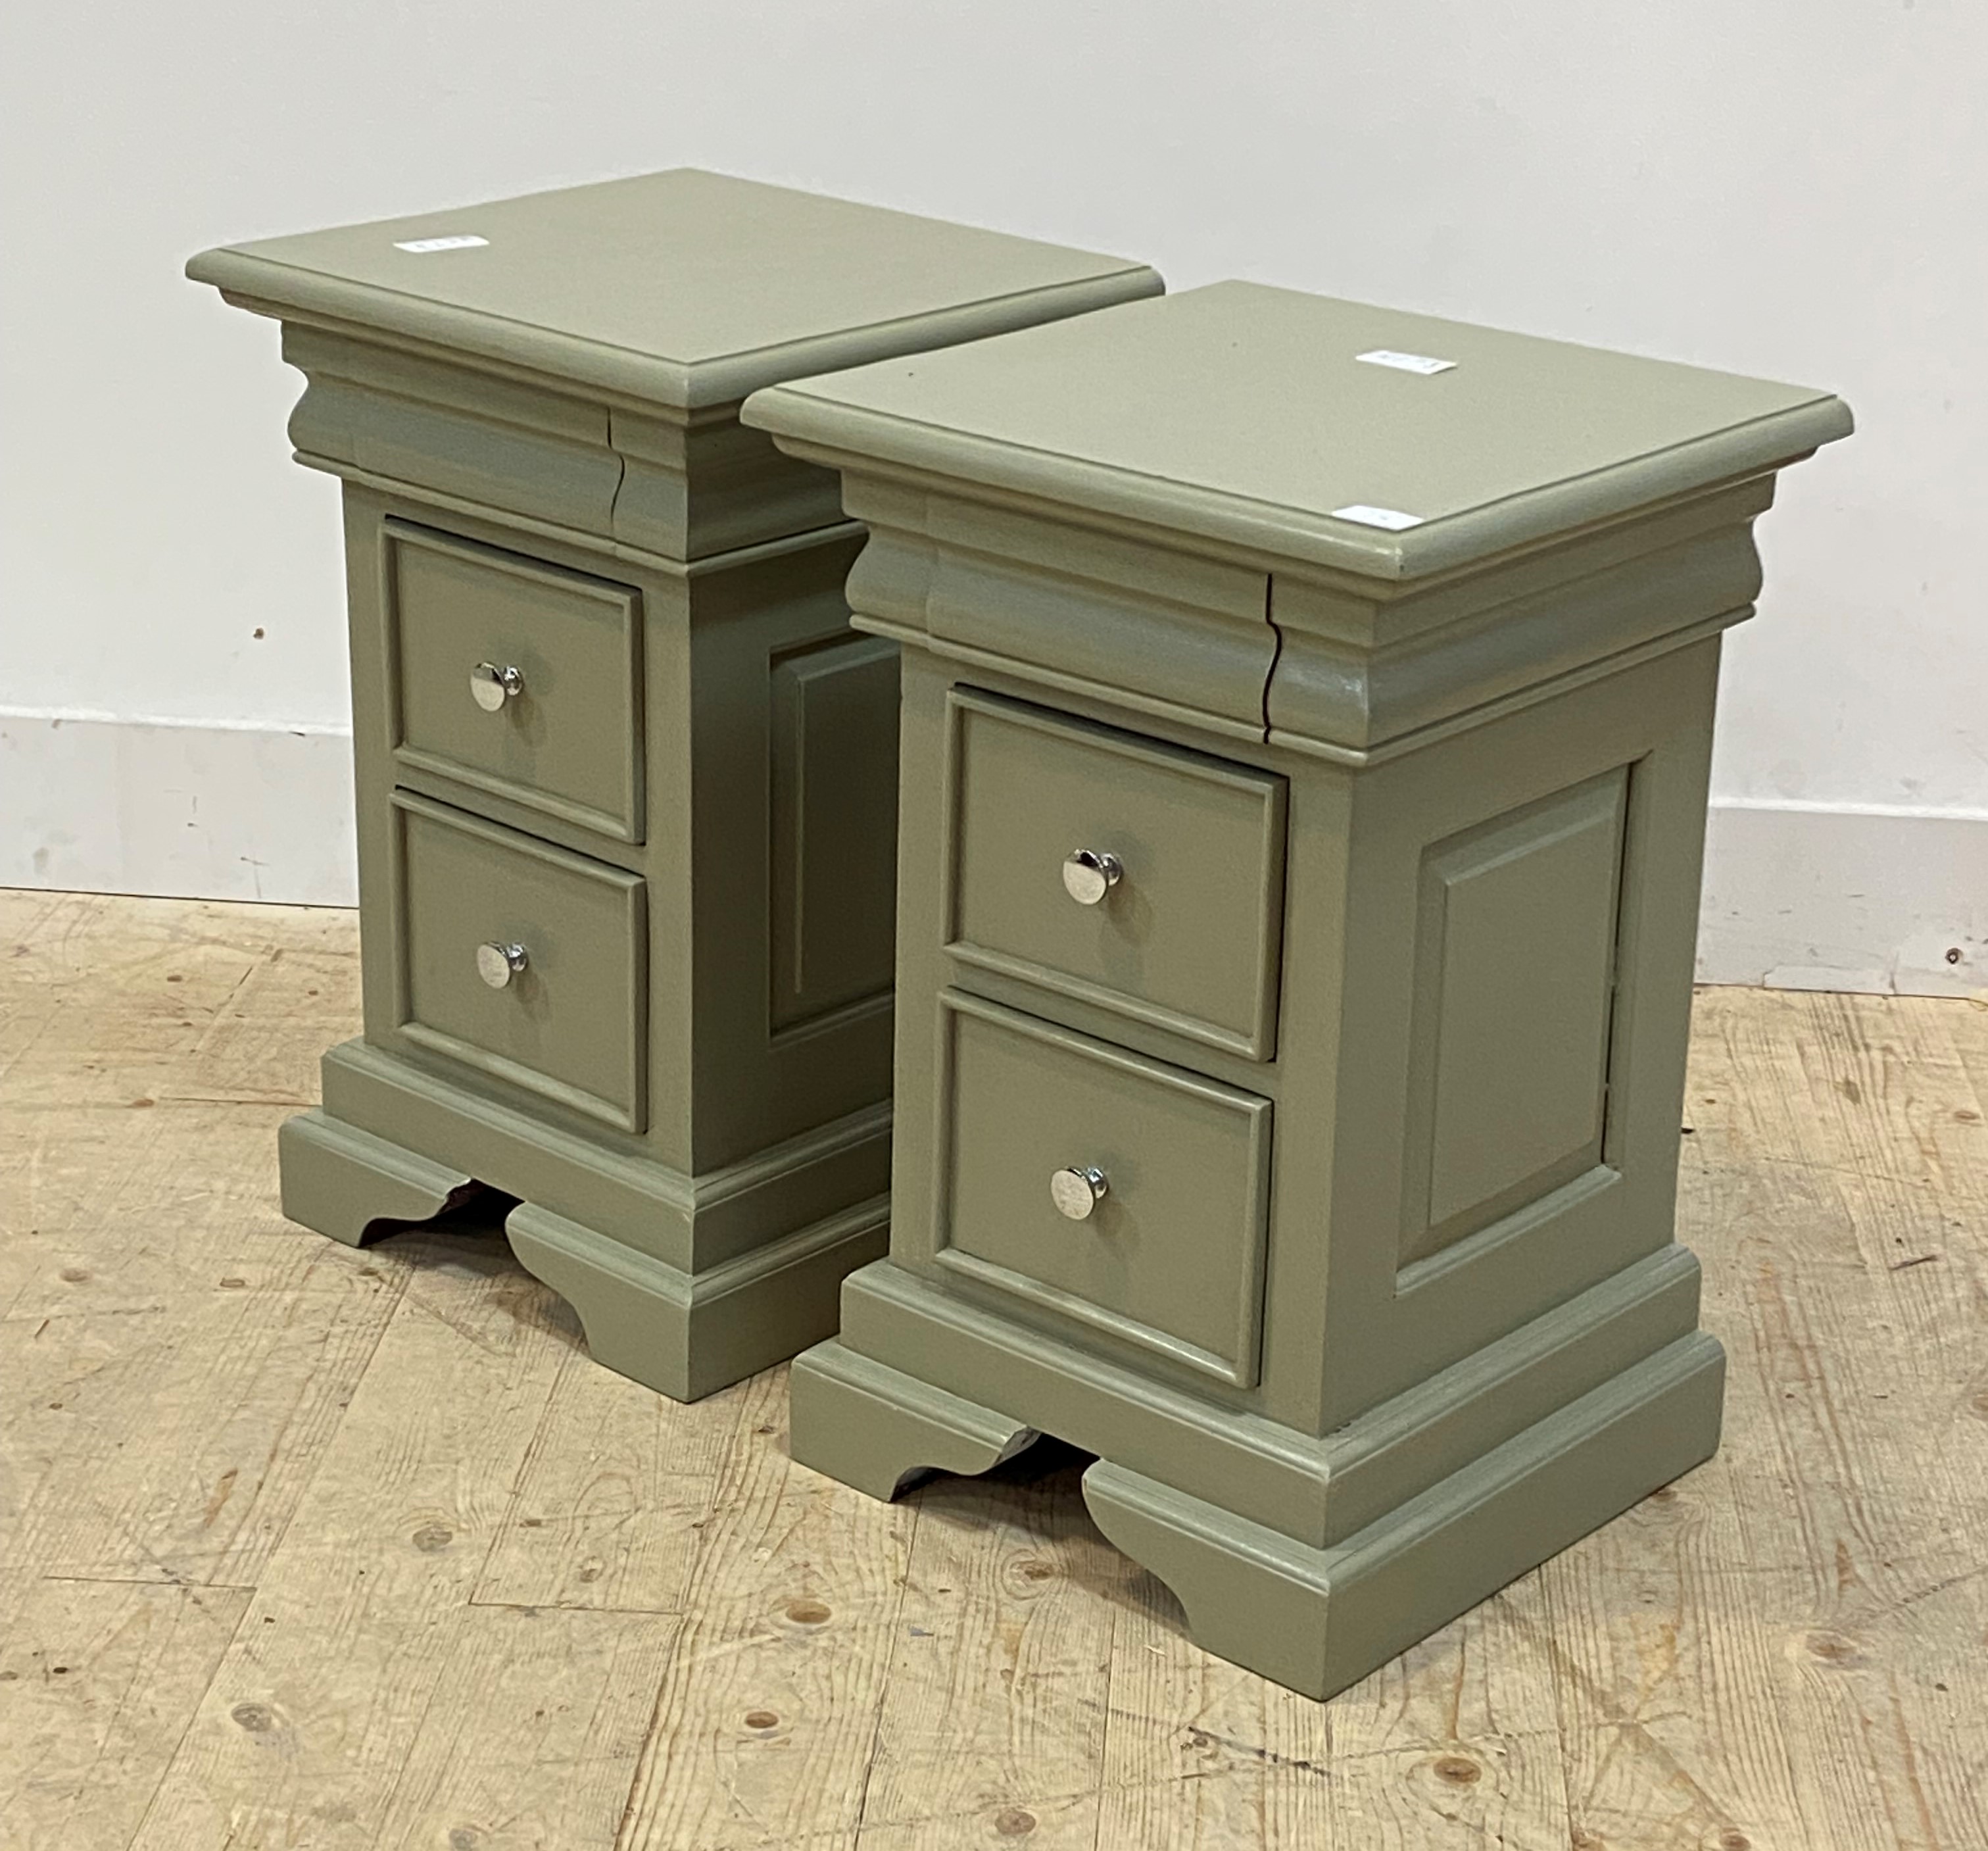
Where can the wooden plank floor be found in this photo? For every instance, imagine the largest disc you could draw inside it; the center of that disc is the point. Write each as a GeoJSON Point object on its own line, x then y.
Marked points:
{"type": "Point", "coordinates": [302, 1546]}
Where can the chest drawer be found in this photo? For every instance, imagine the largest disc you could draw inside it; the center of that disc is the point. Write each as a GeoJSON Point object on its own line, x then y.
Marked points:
{"type": "Point", "coordinates": [1105, 866]}
{"type": "Point", "coordinates": [516, 677]}
{"type": "Point", "coordinates": [1113, 1191]}
{"type": "Point", "coordinates": [521, 961]}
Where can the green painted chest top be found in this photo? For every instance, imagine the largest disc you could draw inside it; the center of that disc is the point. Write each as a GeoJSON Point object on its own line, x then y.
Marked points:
{"type": "Point", "coordinates": [627, 778]}
{"type": "Point", "coordinates": [1306, 713]}
{"type": "Point", "coordinates": [582, 353]}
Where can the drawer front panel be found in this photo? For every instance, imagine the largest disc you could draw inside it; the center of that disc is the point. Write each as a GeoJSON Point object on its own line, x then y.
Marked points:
{"type": "Point", "coordinates": [1187, 939]}
{"type": "Point", "coordinates": [1171, 1258]}
{"type": "Point", "coordinates": [572, 1024]}
{"type": "Point", "coordinates": [567, 740]}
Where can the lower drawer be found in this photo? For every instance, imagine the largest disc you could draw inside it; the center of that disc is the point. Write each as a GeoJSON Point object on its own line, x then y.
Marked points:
{"type": "Point", "coordinates": [521, 961]}
{"type": "Point", "coordinates": [1116, 1193]}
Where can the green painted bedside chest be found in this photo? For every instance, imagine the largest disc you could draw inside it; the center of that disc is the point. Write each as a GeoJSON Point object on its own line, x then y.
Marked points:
{"type": "Point", "coordinates": [625, 778]}
{"type": "Point", "coordinates": [1306, 709]}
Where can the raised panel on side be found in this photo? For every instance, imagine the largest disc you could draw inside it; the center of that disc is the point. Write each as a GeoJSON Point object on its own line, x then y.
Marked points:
{"type": "Point", "coordinates": [1514, 973]}
{"type": "Point", "coordinates": [834, 791]}
{"type": "Point", "coordinates": [1171, 1260]}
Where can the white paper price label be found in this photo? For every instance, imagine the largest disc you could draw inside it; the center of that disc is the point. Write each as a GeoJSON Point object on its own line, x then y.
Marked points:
{"type": "Point", "coordinates": [1392, 519]}
{"type": "Point", "coordinates": [1424, 363]}
{"type": "Point", "coordinates": [463, 241]}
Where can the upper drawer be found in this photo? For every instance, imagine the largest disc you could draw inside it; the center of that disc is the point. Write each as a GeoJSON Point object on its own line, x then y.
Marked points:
{"type": "Point", "coordinates": [1186, 935]}
{"type": "Point", "coordinates": [1123, 1195]}
{"type": "Point", "coordinates": [515, 677]}
{"type": "Point", "coordinates": [521, 961]}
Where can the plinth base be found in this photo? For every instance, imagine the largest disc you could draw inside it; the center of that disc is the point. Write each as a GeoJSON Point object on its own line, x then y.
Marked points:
{"type": "Point", "coordinates": [768, 1263]}
{"type": "Point", "coordinates": [1315, 1619]}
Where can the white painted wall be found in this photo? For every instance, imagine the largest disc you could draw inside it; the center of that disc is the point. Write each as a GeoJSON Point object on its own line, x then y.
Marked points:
{"type": "Point", "coordinates": [1793, 187]}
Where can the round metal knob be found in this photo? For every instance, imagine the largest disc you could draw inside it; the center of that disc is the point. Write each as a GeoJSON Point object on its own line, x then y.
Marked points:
{"type": "Point", "coordinates": [497, 963]}
{"type": "Point", "coordinates": [1078, 1190]}
{"type": "Point", "coordinates": [1090, 873]}
{"type": "Point", "coordinates": [491, 685]}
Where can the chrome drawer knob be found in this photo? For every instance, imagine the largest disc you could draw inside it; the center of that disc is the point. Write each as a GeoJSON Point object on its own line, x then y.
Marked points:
{"type": "Point", "coordinates": [1090, 873]}
{"type": "Point", "coordinates": [1078, 1190]}
{"type": "Point", "coordinates": [492, 684]}
{"type": "Point", "coordinates": [497, 964]}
